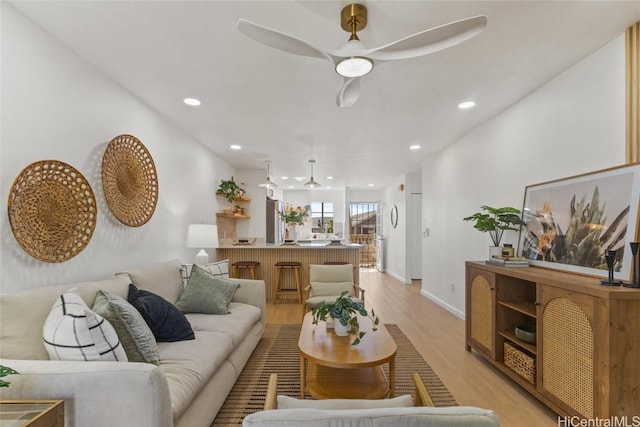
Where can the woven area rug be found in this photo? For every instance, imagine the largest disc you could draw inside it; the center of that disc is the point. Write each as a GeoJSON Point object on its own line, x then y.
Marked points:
{"type": "Point", "coordinates": [277, 353]}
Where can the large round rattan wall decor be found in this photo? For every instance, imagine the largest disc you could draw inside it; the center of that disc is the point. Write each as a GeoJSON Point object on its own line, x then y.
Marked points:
{"type": "Point", "coordinates": [129, 180]}
{"type": "Point", "coordinates": [52, 211]}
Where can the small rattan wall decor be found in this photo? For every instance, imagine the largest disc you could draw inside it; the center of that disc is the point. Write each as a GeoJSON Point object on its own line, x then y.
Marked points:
{"type": "Point", "coordinates": [129, 180]}
{"type": "Point", "coordinates": [52, 211]}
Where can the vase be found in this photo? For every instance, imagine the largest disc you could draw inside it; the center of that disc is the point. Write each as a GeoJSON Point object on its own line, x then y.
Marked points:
{"type": "Point", "coordinates": [292, 233]}
{"type": "Point", "coordinates": [341, 330]}
{"type": "Point", "coordinates": [494, 250]}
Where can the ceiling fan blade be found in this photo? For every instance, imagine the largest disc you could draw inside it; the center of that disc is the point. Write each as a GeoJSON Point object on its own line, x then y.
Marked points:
{"type": "Point", "coordinates": [349, 92]}
{"type": "Point", "coordinates": [279, 40]}
{"type": "Point", "coordinates": [432, 40]}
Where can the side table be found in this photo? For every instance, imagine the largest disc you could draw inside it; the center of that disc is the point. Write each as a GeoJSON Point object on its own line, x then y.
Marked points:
{"type": "Point", "coordinates": [32, 413]}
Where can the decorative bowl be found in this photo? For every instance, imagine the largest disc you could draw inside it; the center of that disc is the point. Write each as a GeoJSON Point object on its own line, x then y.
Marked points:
{"type": "Point", "coordinates": [526, 333]}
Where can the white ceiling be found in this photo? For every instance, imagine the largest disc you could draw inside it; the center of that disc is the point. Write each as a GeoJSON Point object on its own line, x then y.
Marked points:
{"type": "Point", "coordinates": [281, 107]}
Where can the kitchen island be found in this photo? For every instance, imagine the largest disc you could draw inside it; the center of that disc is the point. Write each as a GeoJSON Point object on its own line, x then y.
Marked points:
{"type": "Point", "coordinates": [306, 254]}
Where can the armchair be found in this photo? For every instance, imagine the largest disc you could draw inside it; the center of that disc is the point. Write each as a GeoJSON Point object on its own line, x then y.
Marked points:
{"type": "Point", "coordinates": [400, 411]}
{"type": "Point", "coordinates": [327, 282]}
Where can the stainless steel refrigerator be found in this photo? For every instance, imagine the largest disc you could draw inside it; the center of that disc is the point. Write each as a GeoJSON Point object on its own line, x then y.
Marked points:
{"type": "Point", "coordinates": [275, 223]}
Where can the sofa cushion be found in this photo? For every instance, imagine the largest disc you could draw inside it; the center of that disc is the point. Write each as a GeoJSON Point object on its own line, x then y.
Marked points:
{"type": "Point", "coordinates": [189, 365]}
{"type": "Point", "coordinates": [286, 402]}
{"type": "Point", "coordinates": [162, 278]}
{"type": "Point", "coordinates": [135, 336]}
{"type": "Point", "coordinates": [417, 416]}
{"type": "Point", "coordinates": [218, 269]}
{"type": "Point", "coordinates": [73, 332]}
{"type": "Point", "coordinates": [206, 293]}
{"type": "Point", "coordinates": [23, 340]}
{"type": "Point", "coordinates": [236, 324]}
{"type": "Point", "coordinates": [167, 323]}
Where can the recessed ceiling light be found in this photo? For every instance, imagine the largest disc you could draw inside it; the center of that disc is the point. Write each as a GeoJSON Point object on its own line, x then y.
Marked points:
{"type": "Point", "coordinates": [466, 105]}
{"type": "Point", "coordinates": [284, 177]}
{"type": "Point", "coordinates": [327, 187]}
{"type": "Point", "coordinates": [235, 147]}
{"type": "Point", "coordinates": [414, 147]}
{"type": "Point", "coordinates": [328, 177]}
{"type": "Point", "coordinates": [192, 102]}
{"type": "Point", "coordinates": [291, 186]}
{"type": "Point", "coordinates": [370, 185]}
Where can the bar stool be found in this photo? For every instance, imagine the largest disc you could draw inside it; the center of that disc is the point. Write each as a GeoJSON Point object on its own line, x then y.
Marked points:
{"type": "Point", "coordinates": [244, 266]}
{"type": "Point", "coordinates": [283, 266]}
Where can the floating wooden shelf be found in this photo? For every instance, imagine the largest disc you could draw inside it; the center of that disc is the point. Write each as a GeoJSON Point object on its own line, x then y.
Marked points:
{"type": "Point", "coordinates": [235, 216]}
{"type": "Point", "coordinates": [237, 198]}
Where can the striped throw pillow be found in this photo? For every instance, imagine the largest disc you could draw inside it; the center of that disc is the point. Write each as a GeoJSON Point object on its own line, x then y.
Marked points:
{"type": "Point", "coordinates": [73, 332]}
{"type": "Point", "coordinates": [218, 269]}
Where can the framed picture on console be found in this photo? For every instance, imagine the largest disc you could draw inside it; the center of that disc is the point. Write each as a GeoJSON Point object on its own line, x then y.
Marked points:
{"type": "Point", "coordinates": [571, 222]}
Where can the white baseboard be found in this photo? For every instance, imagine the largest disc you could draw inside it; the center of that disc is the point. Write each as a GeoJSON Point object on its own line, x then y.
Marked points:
{"type": "Point", "coordinates": [399, 278]}
{"type": "Point", "coordinates": [443, 304]}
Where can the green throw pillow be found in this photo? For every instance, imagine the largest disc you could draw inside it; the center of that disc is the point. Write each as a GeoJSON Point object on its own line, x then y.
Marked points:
{"type": "Point", "coordinates": [206, 293]}
{"type": "Point", "coordinates": [135, 336]}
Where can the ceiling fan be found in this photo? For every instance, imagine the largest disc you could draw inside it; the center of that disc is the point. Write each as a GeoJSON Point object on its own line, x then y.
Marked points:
{"type": "Point", "coordinates": [354, 59]}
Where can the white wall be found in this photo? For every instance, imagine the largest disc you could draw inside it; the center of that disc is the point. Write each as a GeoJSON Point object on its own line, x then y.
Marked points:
{"type": "Point", "coordinates": [573, 124]}
{"type": "Point", "coordinates": [57, 106]}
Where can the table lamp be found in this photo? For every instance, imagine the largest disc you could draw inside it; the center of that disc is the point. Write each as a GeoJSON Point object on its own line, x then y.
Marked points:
{"type": "Point", "coordinates": [202, 236]}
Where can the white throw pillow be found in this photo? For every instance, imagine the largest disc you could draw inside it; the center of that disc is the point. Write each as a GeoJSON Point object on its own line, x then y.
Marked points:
{"type": "Point", "coordinates": [73, 332]}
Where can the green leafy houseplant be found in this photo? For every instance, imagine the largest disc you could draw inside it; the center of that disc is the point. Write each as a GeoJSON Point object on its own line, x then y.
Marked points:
{"type": "Point", "coordinates": [345, 310]}
{"type": "Point", "coordinates": [495, 221]}
{"type": "Point", "coordinates": [4, 371]}
{"type": "Point", "coordinates": [294, 216]}
{"type": "Point", "coordinates": [229, 190]}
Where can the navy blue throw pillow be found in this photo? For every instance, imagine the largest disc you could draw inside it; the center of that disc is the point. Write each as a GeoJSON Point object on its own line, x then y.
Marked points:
{"type": "Point", "coordinates": [167, 323]}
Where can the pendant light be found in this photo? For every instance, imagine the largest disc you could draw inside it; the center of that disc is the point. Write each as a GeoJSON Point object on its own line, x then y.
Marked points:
{"type": "Point", "coordinates": [268, 183]}
{"type": "Point", "coordinates": [311, 183]}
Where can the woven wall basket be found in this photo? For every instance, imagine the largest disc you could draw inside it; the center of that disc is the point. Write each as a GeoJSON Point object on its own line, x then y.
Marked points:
{"type": "Point", "coordinates": [129, 180]}
{"type": "Point", "coordinates": [52, 211]}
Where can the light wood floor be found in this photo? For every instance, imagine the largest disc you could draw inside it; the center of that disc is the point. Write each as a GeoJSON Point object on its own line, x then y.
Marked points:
{"type": "Point", "coordinates": [439, 337]}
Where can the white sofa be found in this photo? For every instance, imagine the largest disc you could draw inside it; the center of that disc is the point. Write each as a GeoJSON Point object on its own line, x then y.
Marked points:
{"type": "Point", "coordinates": [188, 387]}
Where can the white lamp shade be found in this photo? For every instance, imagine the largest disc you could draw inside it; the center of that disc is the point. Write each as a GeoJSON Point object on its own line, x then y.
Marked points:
{"type": "Point", "coordinates": [202, 236]}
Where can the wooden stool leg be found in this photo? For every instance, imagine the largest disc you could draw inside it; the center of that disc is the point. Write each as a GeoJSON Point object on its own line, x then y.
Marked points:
{"type": "Point", "coordinates": [278, 272]}
{"type": "Point", "coordinates": [296, 270]}
{"type": "Point", "coordinates": [253, 272]}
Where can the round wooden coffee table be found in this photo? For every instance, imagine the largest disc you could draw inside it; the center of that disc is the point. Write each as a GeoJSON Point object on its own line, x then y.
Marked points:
{"type": "Point", "coordinates": [332, 368]}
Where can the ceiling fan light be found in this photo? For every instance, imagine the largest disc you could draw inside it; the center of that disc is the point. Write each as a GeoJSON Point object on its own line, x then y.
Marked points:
{"type": "Point", "coordinates": [355, 66]}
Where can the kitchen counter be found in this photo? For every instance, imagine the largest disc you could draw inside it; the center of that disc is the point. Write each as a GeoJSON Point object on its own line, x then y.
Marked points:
{"type": "Point", "coordinates": [305, 253]}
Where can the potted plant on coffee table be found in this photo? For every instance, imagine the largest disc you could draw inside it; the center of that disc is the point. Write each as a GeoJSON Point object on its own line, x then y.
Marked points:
{"type": "Point", "coordinates": [495, 221]}
{"type": "Point", "coordinates": [344, 310]}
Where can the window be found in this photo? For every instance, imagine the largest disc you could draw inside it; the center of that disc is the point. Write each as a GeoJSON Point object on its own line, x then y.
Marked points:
{"type": "Point", "coordinates": [363, 218]}
{"type": "Point", "coordinates": [322, 217]}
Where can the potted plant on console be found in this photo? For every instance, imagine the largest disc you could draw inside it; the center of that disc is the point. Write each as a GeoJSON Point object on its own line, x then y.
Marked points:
{"type": "Point", "coordinates": [344, 310]}
{"type": "Point", "coordinates": [495, 221]}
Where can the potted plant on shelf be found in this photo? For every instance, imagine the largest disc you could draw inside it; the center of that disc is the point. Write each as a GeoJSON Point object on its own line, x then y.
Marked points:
{"type": "Point", "coordinates": [230, 191]}
{"type": "Point", "coordinates": [344, 310]}
{"type": "Point", "coordinates": [495, 221]}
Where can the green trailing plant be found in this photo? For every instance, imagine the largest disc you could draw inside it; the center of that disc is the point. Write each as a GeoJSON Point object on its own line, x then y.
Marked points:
{"type": "Point", "coordinates": [495, 221]}
{"type": "Point", "coordinates": [4, 371]}
{"type": "Point", "coordinates": [345, 310]}
{"type": "Point", "coordinates": [229, 190]}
